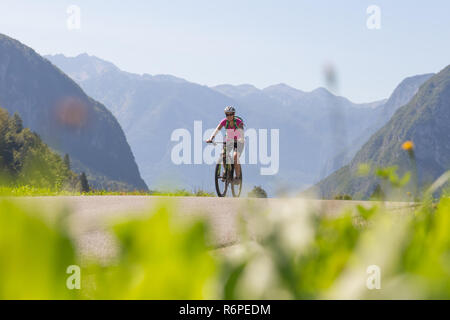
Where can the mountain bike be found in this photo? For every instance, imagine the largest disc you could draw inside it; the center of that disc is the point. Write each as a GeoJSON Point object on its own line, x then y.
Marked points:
{"type": "Point", "coordinates": [224, 175]}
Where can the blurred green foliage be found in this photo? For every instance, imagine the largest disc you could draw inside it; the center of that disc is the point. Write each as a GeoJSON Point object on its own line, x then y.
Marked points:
{"type": "Point", "coordinates": [412, 251]}
{"type": "Point", "coordinates": [34, 254]}
{"type": "Point", "coordinates": [158, 259]}
{"type": "Point", "coordinates": [299, 253]}
{"type": "Point", "coordinates": [426, 252]}
{"type": "Point", "coordinates": [390, 174]}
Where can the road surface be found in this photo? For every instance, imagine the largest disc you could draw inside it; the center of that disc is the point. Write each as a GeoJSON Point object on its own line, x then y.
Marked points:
{"type": "Point", "coordinates": [90, 214]}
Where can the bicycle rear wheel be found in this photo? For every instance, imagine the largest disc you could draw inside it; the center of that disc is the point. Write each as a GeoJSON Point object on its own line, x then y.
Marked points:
{"type": "Point", "coordinates": [221, 180]}
{"type": "Point", "coordinates": [236, 188]}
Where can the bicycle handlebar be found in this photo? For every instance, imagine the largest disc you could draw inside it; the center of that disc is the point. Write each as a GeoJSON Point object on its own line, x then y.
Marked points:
{"type": "Point", "coordinates": [220, 142]}
{"type": "Point", "coordinates": [215, 143]}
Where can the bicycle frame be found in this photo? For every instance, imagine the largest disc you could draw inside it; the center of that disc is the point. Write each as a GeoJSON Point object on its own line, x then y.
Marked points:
{"type": "Point", "coordinates": [225, 155]}
{"type": "Point", "coordinates": [228, 173]}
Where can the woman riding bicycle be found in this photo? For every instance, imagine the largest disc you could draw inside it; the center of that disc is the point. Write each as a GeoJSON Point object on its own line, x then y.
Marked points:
{"type": "Point", "coordinates": [234, 133]}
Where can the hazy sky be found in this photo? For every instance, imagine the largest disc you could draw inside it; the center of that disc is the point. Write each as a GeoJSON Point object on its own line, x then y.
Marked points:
{"type": "Point", "coordinates": [259, 42]}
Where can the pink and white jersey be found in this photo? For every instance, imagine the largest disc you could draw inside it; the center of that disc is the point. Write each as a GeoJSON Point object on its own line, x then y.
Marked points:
{"type": "Point", "coordinates": [223, 123]}
{"type": "Point", "coordinates": [232, 132]}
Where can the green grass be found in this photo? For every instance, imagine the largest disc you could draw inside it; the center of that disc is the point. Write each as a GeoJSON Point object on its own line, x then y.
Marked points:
{"type": "Point", "coordinates": [27, 190]}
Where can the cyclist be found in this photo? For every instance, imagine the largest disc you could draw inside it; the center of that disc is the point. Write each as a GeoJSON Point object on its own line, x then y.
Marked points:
{"type": "Point", "coordinates": [234, 132]}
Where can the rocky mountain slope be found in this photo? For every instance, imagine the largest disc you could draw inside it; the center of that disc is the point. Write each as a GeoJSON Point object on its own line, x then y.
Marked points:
{"type": "Point", "coordinates": [55, 107]}
{"type": "Point", "coordinates": [425, 120]}
{"type": "Point", "coordinates": [402, 94]}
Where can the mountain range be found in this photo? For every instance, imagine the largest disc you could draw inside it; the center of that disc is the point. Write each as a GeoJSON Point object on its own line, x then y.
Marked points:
{"type": "Point", "coordinates": [424, 120]}
{"type": "Point", "coordinates": [315, 127]}
{"type": "Point", "coordinates": [399, 97]}
{"type": "Point", "coordinates": [69, 121]}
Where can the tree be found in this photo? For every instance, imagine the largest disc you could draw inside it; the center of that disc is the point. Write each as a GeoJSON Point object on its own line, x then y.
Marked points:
{"type": "Point", "coordinates": [84, 183]}
{"type": "Point", "coordinates": [16, 123]}
{"type": "Point", "coordinates": [257, 192]}
{"type": "Point", "coordinates": [5, 149]}
{"type": "Point", "coordinates": [378, 193]}
{"type": "Point", "coordinates": [343, 197]}
{"type": "Point", "coordinates": [67, 161]}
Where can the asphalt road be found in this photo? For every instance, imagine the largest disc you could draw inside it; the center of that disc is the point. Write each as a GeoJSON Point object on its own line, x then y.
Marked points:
{"type": "Point", "coordinates": [91, 214]}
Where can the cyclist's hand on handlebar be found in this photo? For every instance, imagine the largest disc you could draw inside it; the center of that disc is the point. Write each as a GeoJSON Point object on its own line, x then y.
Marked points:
{"type": "Point", "coordinates": [209, 141]}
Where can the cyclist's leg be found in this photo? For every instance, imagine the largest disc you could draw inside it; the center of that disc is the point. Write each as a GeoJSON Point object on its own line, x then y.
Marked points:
{"type": "Point", "coordinates": [224, 156]}
{"type": "Point", "coordinates": [236, 154]}
{"type": "Point", "coordinates": [228, 149]}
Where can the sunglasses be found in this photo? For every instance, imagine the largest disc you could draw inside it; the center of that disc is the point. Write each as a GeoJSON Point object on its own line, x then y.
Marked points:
{"type": "Point", "coordinates": [229, 114]}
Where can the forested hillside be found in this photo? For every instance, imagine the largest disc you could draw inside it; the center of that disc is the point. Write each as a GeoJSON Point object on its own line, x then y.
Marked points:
{"type": "Point", "coordinates": [26, 160]}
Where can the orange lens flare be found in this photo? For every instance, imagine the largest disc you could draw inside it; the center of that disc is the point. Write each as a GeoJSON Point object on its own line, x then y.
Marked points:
{"type": "Point", "coordinates": [71, 112]}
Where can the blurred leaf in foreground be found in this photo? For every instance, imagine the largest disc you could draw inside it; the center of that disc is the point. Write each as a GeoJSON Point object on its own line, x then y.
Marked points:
{"type": "Point", "coordinates": [159, 259]}
{"type": "Point", "coordinates": [34, 255]}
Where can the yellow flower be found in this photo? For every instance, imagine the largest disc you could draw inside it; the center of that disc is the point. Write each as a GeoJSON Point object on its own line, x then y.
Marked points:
{"type": "Point", "coordinates": [408, 145]}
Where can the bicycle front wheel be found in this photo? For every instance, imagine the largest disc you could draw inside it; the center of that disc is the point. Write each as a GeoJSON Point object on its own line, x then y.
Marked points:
{"type": "Point", "coordinates": [221, 180]}
{"type": "Point", "coordinates": [236, 188]}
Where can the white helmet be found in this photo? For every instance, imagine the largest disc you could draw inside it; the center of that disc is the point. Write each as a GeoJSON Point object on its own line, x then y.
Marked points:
{"type": "Point", "coordinates": [229, 109]}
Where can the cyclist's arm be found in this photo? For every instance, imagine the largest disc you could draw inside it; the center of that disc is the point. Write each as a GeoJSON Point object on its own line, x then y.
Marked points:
{"type": "Point", "coordinates": [219, 127]}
